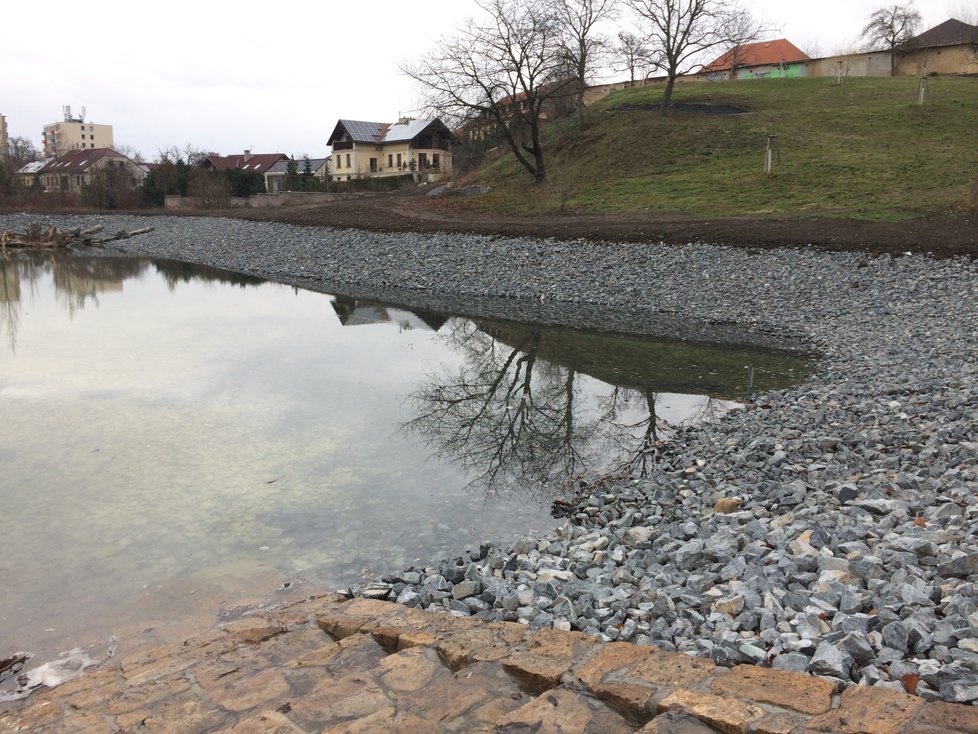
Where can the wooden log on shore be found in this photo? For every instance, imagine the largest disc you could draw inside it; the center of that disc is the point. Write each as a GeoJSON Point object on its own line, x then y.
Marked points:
{"type": "Point", "coordinates": [37, 237]}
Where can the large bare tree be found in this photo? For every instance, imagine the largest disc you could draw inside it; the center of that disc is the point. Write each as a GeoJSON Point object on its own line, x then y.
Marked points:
{"type": "Point", "coordinates": [890, 28]}
{"type": "Point", "coordinates": [581, 42]}
{"type": "Point", "coordinates": [684, 30]}
{"type": "Point", "coordinates": [497, 73]}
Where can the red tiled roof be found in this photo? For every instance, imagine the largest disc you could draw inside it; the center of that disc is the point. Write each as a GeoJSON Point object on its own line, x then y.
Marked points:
{"type": "Point", "coordinates": [258, 162]}
{"type": "Point", "coordinates": [758, 54]}
{"type": "Point", "coordinates": [79, 161]}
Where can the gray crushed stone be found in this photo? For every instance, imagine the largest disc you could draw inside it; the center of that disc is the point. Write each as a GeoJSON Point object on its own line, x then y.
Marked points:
{"type": "Point", "coordinates": [854, 552]}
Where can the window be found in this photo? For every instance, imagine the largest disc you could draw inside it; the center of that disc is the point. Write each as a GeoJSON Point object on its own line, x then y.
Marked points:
{"type": "Point", "coordinates": [422, 161]}
{"type": "Point", "coordinates": [347, 160]}
{"type": "Point", "coordinates": [83, 134]}
{"type": "Point", "coordinates": [398, 160]}
{"type": "Point", "coordinates": [373, 165]}
{"type": "Point", "coordinates": [435, 160]}
{"type": "Point", "coordinates": [390, 160]}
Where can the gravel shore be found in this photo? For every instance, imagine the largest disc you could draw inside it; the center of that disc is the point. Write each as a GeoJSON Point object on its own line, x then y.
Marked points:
{"type": "Point", "coordinates": [853, 552]}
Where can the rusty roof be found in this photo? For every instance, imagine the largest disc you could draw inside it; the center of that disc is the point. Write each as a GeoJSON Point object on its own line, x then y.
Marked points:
{"type": "Point", "coordinates": [761, 53]}
{"type": "Point", "coordinates": [949, 33]}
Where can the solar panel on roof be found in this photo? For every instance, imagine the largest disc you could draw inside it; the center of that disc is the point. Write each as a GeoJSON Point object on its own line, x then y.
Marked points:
{"type": "Point", "coordinates": [360, 130]}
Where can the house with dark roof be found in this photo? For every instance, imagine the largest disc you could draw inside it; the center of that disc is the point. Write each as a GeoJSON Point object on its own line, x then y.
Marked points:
{"type": "Point", "coordinates": [948, 48]}
{"type": "Point", "coordinates": [76, 169]}
{"type": "Point", "coordinates": [277, 177]}
{"type": "Point", "coordinates": [421, 147]}
{"type": "Point", "coordinates": [251, 162]}
{"type": "Point", "coordinates": [779, 58]}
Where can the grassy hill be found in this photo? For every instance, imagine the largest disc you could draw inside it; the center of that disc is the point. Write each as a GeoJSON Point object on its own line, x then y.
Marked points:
{"type": "Point", "coordinates": [863, 149]}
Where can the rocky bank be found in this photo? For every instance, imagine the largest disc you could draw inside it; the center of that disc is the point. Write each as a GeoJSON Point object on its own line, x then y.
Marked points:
{"type": "Point", "coordinates": [852, 554]}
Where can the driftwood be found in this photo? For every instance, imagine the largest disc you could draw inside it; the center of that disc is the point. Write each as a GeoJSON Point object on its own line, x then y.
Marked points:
{"type": "Point", "coordinates": [38, 237]}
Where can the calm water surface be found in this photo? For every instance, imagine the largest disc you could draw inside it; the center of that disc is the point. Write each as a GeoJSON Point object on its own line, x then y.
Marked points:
{"type": "Point", "coordinates": [175, 440]}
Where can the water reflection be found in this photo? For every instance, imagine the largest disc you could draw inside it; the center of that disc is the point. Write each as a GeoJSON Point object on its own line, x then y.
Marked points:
{"type": "Point", "coordinates": [531, 408]}
{"type": "Point", "coordinates": [169, 429]}
{"type": "Point", "coordinates": [79, 281]}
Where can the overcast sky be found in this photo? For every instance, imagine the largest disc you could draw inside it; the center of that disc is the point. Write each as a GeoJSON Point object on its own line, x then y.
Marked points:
{"type": "Point", "coordinates": [272, 77]}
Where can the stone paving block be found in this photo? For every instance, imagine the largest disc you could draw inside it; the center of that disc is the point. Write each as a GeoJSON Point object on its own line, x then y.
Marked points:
{"type": "Point", "coordinates": [638, 701]}
{"type": "Point", "coordinates": [383, 721]}
{"type": "Point", "coordinates": [254, 690]}
{"type": "Point", "coordinates": [675, 722]}
{"type": "Point", "coordinates": [79, 722]}
{"type": "Point", "coordinates": [315, 657]}
{"type": "Point", "coordinates": [537, 673]}
{"type": "Point", "coordinates": [468, 700]}
{"type": "Point", "coordinates": [564, 711]}
{"type": "Point", "coordinates": [267, 722]}
{"type": "Point", "coordinates": [31, 718]}
{"type": "Point", "coordinates": [342, 700]}
{"type": "Point", "coordinates": [781, 722]}
{"type": "Point", "coordinates": [410, 670]}
{"type": "Point", "coordinates": [253, 630]}
{"type": "Point", "coordinates": [356, 654]}
{"type": "Point", "coordinates": [553, 643]}
{"type": "Point", "coordinates": [414, 638]}
{"type": "Point", "coordinates": [181, 714]}
{"type": "Point", "coordinates": [292, 644]}
{"type": "Point", "coordinates": [484, 644]}
{"type": "Point", "coordinates": [673, 669]}
{"type": "Point", "coordinates": [612, 657]}
{"type": "Point", "coordinates": [155, 663]}
{"type": "Point", "coordinates": [865, 710]}
{"type": "Point", "coordinates": [726, 713]}
{"type": "Point", "coordinates": [804, 693]}
{"type": "Point", "coordinates": [950, 717]}
{"type": "Point", "coordinates": [134, 697]}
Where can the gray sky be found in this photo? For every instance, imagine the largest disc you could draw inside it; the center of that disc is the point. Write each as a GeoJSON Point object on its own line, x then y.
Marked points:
{"type": "Point", "coordinates": [272, 77]}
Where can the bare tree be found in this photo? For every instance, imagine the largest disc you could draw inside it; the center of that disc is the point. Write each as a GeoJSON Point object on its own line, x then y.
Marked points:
{"type": "Point", "coordinates": [21, 150]}
{"type": "Point", "coordinates": [890, 28]}
{"type": "Point", "coordinates": [581, 44]}
{"type": "Point", "coordinates": [635, 56]}
{"type": "Point", "coordinates": [497, 74]}
{"type": "Point", "coordinates": [684, 29]}
{"type": "Point", "coordinates": [129, 151]}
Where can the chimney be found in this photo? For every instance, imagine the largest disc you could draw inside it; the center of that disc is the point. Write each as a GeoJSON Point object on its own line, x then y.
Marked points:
{"type": "Point", "coordinates": [247, 155]}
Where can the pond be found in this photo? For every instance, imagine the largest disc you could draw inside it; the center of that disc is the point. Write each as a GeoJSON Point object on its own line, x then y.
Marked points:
{"type": "Point", "coordinates": [177, 440]}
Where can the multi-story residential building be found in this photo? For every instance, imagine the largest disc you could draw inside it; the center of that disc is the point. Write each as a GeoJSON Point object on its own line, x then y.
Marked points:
{"type": "Point", "coordinates": [389, 149]}
{"type": "Point", "coordinates": [74, 133]}
{"type": "Point", "coordinates": [4, 149]}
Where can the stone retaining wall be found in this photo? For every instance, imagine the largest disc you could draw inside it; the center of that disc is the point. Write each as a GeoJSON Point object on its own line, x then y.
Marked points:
{"type": "Point", "coordinates": [331, 665]}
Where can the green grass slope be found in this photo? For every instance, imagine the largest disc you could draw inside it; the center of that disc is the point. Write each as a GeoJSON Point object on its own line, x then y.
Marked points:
{"type": "Point", "coordinates": [863, 149]}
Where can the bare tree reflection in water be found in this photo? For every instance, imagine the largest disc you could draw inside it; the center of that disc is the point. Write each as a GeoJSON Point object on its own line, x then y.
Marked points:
{"type": "Point", "coordinates": [506, 417]}
{"type": "Point", "coordinates": [516, 422]}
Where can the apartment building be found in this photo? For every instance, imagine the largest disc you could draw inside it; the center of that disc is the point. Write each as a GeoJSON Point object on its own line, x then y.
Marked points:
{"type": "Point", "coordinates": [75, 133]}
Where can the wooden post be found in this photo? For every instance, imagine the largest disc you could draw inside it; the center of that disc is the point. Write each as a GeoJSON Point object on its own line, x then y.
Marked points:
{"type": "Point", "coordinates": [922, 87]}
{"type": "Point", "coordinates": [769, 155]}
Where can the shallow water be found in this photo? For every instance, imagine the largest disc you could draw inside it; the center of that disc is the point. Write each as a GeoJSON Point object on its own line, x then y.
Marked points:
{"type": "Point", "coordinates": [176, 441]}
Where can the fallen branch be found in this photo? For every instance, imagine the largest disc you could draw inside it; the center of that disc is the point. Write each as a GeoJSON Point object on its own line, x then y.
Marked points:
{"type": "Point", "coordinates": [36, 237]}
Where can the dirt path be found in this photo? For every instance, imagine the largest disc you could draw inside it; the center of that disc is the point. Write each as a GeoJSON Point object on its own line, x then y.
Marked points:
{"type": "Point", "coordinates": [417, 213]}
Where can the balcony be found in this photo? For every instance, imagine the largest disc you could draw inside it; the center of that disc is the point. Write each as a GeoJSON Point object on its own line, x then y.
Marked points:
{"type": "Point", "coordinates": [343, 145]}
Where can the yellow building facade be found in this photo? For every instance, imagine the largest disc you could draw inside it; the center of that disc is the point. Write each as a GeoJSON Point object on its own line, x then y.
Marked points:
{"type": "Point", "coordinates": [67, 135]}
{"type": "Point", "coordinates": [364, 149]}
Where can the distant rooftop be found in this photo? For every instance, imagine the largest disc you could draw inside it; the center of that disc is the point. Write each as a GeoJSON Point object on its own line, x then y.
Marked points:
{"type": "Point", "coordinates": [762, 53]}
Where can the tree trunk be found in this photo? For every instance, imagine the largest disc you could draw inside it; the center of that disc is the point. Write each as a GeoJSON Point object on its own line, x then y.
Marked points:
{"type": "Point", "coordinates": [667, 94]}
